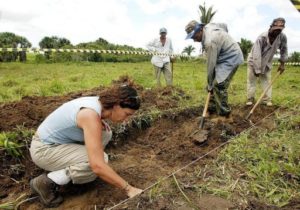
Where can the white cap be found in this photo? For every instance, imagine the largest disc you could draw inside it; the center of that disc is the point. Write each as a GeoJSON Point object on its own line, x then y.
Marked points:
{"type": "Point", "coordinates": [163, 30]}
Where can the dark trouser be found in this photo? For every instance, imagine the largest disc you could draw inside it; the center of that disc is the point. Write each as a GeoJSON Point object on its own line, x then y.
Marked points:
{"type": "Point", "coordinates": [219, 99]}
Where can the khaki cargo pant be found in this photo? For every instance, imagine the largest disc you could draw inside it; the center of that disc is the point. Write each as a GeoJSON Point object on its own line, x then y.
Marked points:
{"type": "Point", "coordinates": [72, 157]}
{"type": "Point", "coordinates": [167, 71]}
{"type": "Point", "coordinates": [265, 80]}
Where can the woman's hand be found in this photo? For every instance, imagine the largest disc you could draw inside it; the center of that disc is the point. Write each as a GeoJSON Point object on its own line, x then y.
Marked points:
{"type": "Point", "coordinates": [132, 191]}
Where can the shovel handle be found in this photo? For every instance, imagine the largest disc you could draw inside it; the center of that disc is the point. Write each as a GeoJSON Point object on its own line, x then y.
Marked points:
{"type": "Point", "coordinates": [206, 104]}
{"type": "Point", "coordinates": [263, 94]}
{"type": "Point", "coordinates": [204, 111]}
{"type": "Point", "coordinates": [249, 115]}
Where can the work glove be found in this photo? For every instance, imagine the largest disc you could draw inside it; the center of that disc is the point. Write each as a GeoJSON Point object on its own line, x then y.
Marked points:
{"type": "Point", "coordinates": [281, 68]}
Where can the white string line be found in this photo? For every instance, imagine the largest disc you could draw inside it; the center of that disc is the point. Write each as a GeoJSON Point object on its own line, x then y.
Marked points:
{"type": "Point", "coordinates": [221, 145]}
{"type": "Point", "coordinates": [26, 200]}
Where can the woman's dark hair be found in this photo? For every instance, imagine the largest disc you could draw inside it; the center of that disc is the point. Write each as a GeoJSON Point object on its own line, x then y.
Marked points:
{"type": "Point", "coordinates": [124, 95]}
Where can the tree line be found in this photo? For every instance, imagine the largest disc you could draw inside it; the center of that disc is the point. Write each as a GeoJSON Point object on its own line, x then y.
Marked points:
{"type": "Point", "coordinates": [11, 40]}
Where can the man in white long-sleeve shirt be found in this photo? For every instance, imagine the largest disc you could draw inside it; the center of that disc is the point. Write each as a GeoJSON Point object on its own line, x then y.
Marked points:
{"type": "Point", "coordinates": [261, 56]}
{"type": "Point", "coordinates": [161, 63]}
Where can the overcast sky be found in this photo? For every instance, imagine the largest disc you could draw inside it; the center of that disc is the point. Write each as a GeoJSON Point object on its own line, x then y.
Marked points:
{"type": "Point", "coordinates": [136, 22]}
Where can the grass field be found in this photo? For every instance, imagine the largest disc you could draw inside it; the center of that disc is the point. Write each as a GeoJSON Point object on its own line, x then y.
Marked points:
{"type": "Point", "coordinates": [267, 163]}
{"type": "Point", "coordinates": [18, 80]}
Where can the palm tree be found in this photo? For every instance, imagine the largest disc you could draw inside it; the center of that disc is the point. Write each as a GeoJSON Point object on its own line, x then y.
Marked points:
{"type": "Point", "coordinates": [245, 46]}
{"type": "Point", "coordinates": [206, 15]}
{"type": "Point", "coordinates": [188, 50]}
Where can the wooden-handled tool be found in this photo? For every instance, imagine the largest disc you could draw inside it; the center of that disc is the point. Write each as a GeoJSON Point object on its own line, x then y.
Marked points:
{"type": "Point", "coordinates": [202, 120]}
{"type": "Point", "coordinates": [262, 95]}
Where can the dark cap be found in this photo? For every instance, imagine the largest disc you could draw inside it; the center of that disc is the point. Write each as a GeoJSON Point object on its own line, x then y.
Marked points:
{"type": "Point", "coordinates": [191, 28]}
{"type": "Point", "coordinates": [278, 23]}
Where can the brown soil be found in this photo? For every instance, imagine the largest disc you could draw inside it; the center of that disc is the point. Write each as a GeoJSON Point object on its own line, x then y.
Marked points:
{"type": "Point", "coordinates": [32, 110]}
{"type": "Point", "coordinates": [144, 157]}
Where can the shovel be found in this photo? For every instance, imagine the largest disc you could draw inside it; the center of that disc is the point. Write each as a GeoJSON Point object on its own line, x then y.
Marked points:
{"type": "Point", "coordinates": [262, 95]}
{"type": "Point", "coordinates": [200, 136]}
{"type": "Point", "coordinates": [172, 66]}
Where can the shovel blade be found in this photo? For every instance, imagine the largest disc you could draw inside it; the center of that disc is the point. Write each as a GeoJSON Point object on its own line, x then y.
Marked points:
{"type": "Point", "coordinates": [202, 120]}
{"type": "Point", "coordinates": [200, 137]}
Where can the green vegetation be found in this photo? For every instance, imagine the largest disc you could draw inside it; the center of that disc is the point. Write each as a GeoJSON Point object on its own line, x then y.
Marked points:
{"type": "Point", "coordinates": [245, 46]}
{"type": "Point", "coordinates": [206, 15]}
{"type": "Point", "coordinates": [14, 204]}
{"type": "Point", "coordinates": [294, 57]}
{"type": "Point", "coordinates": [12, 142]}
{"type": "Point", "coordinates": [188, 50]}
{"type": "Point", "coordinates": [11, 40]}
{"type": "Point", "coordinates": [18, 80]}
{"type": "Point", "coordinates": [265, 165]}
{"type": "Point", "coordinates": [7, 40]}
{"type": "Point", "coordinates": [10, 146]}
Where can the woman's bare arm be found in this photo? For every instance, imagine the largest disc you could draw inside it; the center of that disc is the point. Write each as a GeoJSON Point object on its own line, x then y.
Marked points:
{"type": "Point", "coordinates": [90, 122]}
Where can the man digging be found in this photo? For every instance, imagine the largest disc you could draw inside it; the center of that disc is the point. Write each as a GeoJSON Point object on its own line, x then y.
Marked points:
{"type": "Point", "coordinates": [260, 59]}
{"type": "Point", "coordinates": [223, 58]}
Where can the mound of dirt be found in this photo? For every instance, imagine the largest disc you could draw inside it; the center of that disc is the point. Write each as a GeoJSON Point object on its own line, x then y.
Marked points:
{"type": "Point", "coordinates": [31, 110]}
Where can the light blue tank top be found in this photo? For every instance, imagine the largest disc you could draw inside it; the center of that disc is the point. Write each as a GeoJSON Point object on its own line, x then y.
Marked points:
{"type": "Point", "coordinates": [60, 127]}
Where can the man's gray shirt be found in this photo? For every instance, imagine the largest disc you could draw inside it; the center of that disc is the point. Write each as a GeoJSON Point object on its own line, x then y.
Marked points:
{"type": "Point", "coordinates": [262, 52]}
{"type": "Point", "coordinates": [223, 53]}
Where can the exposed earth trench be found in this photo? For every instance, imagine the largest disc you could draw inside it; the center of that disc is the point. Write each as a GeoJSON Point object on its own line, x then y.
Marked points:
{"type": "Point", "coordinates": [143, 154]}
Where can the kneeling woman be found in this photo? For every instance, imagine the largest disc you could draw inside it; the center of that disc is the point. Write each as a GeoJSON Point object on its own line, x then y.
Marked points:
{"type": "Point", "coordinates": [70, 143]}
